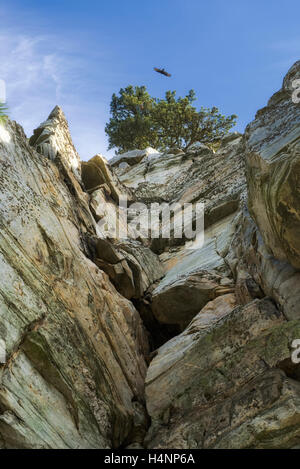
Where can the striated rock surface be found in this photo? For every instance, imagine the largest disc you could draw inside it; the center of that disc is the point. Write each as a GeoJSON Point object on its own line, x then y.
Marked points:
{"type": "Point", "coordinates": [228, 380]}
{"type": "Point", "coordinates": [132, 157]}
{"type": "Point", "coordinates": [118, 249]}
{"type": "Point", "coordinates": [273, 165]}
{"type": "Point", "coordinates": [52, 139]}
{"type": "Point", "coordinates": [213, 385]}
{"type": "Point", "coordinates": [198, 273]}
{"type": "Point", "coordinates": [188, 176]}
{"type": "Point", "coordinates": [75, 347]}
{"type": "Point", "coordinates": [259, 273]}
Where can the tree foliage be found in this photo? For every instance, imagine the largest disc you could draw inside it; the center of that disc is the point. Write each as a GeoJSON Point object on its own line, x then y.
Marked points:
{"type": "Point", "coordinates": [138, 120]}
{"type": "Point", "coordinates": [131, 124]}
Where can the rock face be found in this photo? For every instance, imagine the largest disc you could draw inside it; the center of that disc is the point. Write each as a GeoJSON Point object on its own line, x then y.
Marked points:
{"type": "Point", "coordinates": [228, 381]}
{"type": "Point", "coordinates": [273, 165]}
{"type": "Point", "coordinates": [212, 384]}
{"type": "Point", "coordinates": [114, 339]}
{"type": "Point", "coordinates": [75, 347]}
{"type": "Point", "coordinates": [195, 275]}
{"type": "Point", "coordinates": [188, 176]}
{"type": "Point", "coordinates": [130, 264]}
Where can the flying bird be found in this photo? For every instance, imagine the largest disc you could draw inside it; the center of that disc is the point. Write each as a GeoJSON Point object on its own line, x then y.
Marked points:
{"type": "Point", "coordinates": [162, 71]}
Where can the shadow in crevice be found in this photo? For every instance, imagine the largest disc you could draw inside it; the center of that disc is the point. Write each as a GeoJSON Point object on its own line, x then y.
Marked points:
{"type": "Point", "coordinates": [292, 370]}
{"type": "Point", "coordinates": [158, 333]}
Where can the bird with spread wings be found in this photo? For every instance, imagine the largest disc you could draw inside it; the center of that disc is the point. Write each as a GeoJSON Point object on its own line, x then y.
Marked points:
{"type": "Point", "coordinates": [162, 71]}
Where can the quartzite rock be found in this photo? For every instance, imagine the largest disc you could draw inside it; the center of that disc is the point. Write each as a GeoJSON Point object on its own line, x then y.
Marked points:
{"type": "Point", "coordinates": [216, 384]}
{"type": "Point", "coordinates": [74, 346]}
{"type": "Point", "coordinates": [273, 167]}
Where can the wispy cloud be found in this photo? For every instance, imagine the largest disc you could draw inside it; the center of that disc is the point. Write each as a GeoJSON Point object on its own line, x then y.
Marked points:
{"type": "Point", "coordinates": [40, 73]}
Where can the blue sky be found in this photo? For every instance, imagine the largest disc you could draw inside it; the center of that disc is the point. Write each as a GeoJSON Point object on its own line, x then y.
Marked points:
{"type": "Point", "coordinates": [75, 53]}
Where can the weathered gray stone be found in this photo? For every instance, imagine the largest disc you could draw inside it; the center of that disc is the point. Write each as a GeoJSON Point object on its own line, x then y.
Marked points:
{"type": "Point", "coordinates": [259, 273]}
{"type": "Point", "coordinates": [215, 381]}
{"type": "Point", "coordinates": [131, 265]}
{"type": "Point", "coordinates": [273, 166]}
{"type": "Point", "coordinates": [133, 157]}
{"type": "Point", "coordinates": [180, 301]}
{"type": "Point", "coordinates": [228, 381]}
{"type": "Point", "coordinates": [96, 174]}
{"type": "Point", "coordinates": [52, 139]}
{"type": "Point", "coordinates": [74, 346]}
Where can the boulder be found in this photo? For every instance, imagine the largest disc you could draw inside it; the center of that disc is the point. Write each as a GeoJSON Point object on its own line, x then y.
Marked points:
{"type": "Point", "coordinates": [96, 174]}
{"type": "Point", "coordinates": [133, 157]}
{"type": "Point", "coordinates": [179, 301]}
{"type": "Point", "coordinates": [131, 266]}
{"type": "Point", "coordinates": [198, 146]}
{"type": "Point", "coordinates": [145, 265]}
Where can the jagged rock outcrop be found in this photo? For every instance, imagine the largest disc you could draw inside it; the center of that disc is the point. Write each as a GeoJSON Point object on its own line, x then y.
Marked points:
{"type": "Point", "coordinates": [258, 273]}
{"type": "Point", "coordinates": [52, 139]}
{"type": "Point", "coordinates": [189, 176]}
{"type": "Point", "coordinates": [195, 275]}
{"type": "Point", "coordinates": [75, 347]}
{"type": "Point", "coordinates": [118, 250]}
{"type": "Point", "coordinates": [273, 165]}
{"type": "Point", "coordinates": [96, 175]}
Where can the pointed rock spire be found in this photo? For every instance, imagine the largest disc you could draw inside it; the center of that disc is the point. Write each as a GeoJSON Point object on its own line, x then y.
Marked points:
{"type": "Point", "coordinates": [53, 137]}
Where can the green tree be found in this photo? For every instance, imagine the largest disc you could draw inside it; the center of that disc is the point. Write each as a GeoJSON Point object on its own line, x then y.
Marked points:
{"type": "Point", "coordinates": [3, 113]}
{"type": "Point", "coordinates": [138, 121]}
{"type": "Point", "coordinates": [130, 125]}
